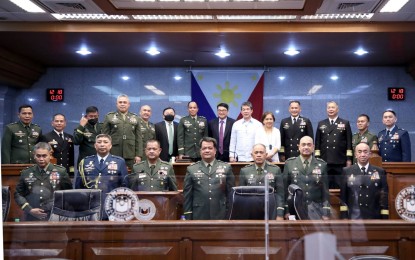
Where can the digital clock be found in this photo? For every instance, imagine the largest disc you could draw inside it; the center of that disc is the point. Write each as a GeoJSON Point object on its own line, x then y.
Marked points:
{"type": "Point", "coordinates": [397, 94]}
{"type": "Point", "coordinates": [54, 94]}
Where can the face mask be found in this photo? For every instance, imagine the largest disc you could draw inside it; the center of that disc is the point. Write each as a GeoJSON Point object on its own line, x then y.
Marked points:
{"type": "Point", "coordinates": [93, 121]}
{"type": "Point", "coordinates": [169, 118]}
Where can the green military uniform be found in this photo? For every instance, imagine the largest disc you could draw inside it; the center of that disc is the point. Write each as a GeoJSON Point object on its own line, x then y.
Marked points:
{"type": "Point", "coordinates": [126, 135]}
{"type": "Point", "coordinates": [36, 187]}
{"type": "Point", "coordinates": [367, 138]}
{"type": "Point", "coordinates": [84, 136]}
{"type": "Point", "coordinates": [160, 178]}
{"type": "Point", "coordinates": [18, 141]}
{"type": "Point", "coordinates": [251, 175]}
{"type": "Point", "coordinates": [189, 133]}
{"type": "Point", "coordinates": [148, 132]}
{"type": "Point", "coordinates": [206, 193]}
{"type": "Point", "coordinates": [313, 182]}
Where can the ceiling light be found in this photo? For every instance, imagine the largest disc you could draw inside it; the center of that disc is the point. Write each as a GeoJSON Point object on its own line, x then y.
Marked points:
{"type": "Point", "coordinates": [393, 6]}
{"type": "Point", "coordinates": [28, 6]}
{"type": "Point", "coordinates": [153, 51]}
{"type": "Point", "coordinates": [334, 77]}
{"type": "Point", "coordinates": [361, 52]}
{"type": "Point", "coordinates": [281, 77]}
{"type": "Point", "coordinates": [256, 17]}
{"type": "Point", "coordinates": [291, 52]}
{"type": "Point", "coordinates": [177, 77]}
{"type": "Point", "coordinates": [125, 78]}
{"type": "Point", "coordinates": [172, 17]}
{"type": "Point", "coordinates": [349, 16]}
{"type": "Point", "coordinates": [222, 54]}
{"type": "Point", "coordinates": [84, 51]}
{"type": "Point", "coordinates": [97, 17]}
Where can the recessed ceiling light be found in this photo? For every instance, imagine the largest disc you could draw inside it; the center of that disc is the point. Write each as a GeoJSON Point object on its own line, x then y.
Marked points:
{"type": "Point", "coordinates": [28, 6]}
{"type": "Point", "coordinates": [222, 54]}
{"type": "Point", "coordinates": [281, 77]}
{"type": "Point", "coordinates": [153, 51]}
{"type": "Point", "coordinates": [177, 77]}
{"type": "Point", "coordinates": [291, 52]}
{"type": "Point", "coordinates": [125, 77]}
{"type": "Point", "coordinates": [393, 6]}
{"type": "Point", "coordinates": [334, 77]}
{"type": "Point", "coordinates": [361, 52]}
{"type": "Point", "coordinates": [84, 51]}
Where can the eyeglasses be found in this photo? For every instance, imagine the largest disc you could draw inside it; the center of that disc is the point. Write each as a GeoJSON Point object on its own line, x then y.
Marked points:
{"type": "Point", "coordinates": [222, 110]}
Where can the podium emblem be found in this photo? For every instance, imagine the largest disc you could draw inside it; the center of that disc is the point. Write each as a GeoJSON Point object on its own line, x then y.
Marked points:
{"type": "Point", "coordinates": [146, 210]}
{"type": "Point", "coordinates": [120, 204]}
{"type": "Point", "coordinates": [405, 203]}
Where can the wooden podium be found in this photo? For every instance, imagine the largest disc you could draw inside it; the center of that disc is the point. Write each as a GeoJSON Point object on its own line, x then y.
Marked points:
{"type": "Point", "coordinates": [166, 204]}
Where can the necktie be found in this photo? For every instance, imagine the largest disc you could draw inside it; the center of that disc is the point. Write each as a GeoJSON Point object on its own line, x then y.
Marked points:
{"type": "Point", "coordinates": [332, 122]}
{"type": "Point", "coordinates": [152, 169]}
{"type": "Point", "coordinates": [194, 119]}
{"type": "Point", "coordinates": [388, 132]}
{"type": "Point", "coordinates": [259, 170]}
{"type": "Point", "coordinates": [61, 136]}
{"type": "Point", "coordinates": [363, 170]}
{"type": "Point", "coordinates": [209, 167]}
{"type": "Point", "coordinates": [170, 139]}
{"type": "Point", "coordinates": [221, 137]}
{"type": "Point", "coordinates": [295, 120]}
{"type": "Point", "coordinates": [306, 165]}
{"type": "Point", "coordinates": [101, 163]}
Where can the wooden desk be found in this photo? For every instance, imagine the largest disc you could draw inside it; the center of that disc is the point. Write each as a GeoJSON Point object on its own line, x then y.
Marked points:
{"type": "Point", "coordinates": [187, 240]}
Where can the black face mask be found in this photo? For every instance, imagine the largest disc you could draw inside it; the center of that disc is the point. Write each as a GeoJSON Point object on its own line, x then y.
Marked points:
{"type": "Point", "coordinates": [169, 118]}
{"type": "Point", "coordinates": [93, 121]}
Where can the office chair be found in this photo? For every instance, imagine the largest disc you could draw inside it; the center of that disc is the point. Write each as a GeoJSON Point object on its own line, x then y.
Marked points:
{"type": "Point", "coordinates": [296, 203]}
{"type": "Point", "coordinates": [5, 194]}
{"type": "Point", "coordinates": [248, 202]}
{"type": "Point", "coordinates": [76, 205]}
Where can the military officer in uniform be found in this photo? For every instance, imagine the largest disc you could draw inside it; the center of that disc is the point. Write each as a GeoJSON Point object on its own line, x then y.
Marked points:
{"type": "Point", "coordinates": [292, 129]}
{"type": "Point", "coordinates": [363, 136]}
{"type": "Point", "coordinates": [310, 174]}
{"type": "Point", "coordinates": [207, 185]}
{"type": "Point", "coordinates": [334, 144]}
{"type": "Point", "coordinates": [19, 138]}
{"type": "Point", "coordinates": [255, 174]}
{"type": "Point", "coordinates": [394, 142]}
{"type": "Point", "coordinates": [147, 129]}
{"type": "Point", "coordinates": [152, 174]}
{"type": "Point", "coordinates": [61, 143]}
{"type": "Point", "coordinates": [124, 129]}
{"type": "Point", "coordinates": [103, 170]}
{"type": "Point", "coordinates": [364, 190]}
{"type": "Point", "coordinates": [190, 131]}
{"type": "Point", "coordinates": [34, 191]}
{"type": "Point", "coordinates": [84, 135]}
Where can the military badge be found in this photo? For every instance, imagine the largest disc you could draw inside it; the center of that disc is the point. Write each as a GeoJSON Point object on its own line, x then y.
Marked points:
{"type": "Point", "coordinates": [133, 120]}
{"type": "Point", "coordinates": [35, 134]}
{"type": "Point", "coordinates": [201, 124]}
{"type": "Point", "coordinates": [395, 136]}
{"type": "Point", "coordinates": [20, 134]}
{"type": "Point", "coordinates": [286, 126]}
{"type": "Point", "coordinates": [405, 203]}
{"type": "Point", "coordinates": [54, 178]}
{"type": "Point", "coordinates": [146, 210]}
{"type": "Point", "coordinates": [121, 204]}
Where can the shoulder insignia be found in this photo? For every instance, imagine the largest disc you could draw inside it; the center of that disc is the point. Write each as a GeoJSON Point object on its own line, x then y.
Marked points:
{"type": "Point", "coordinates": [201, 116]}
{"type": "Point", "coordinates": [272, 165]}
{"type": "Point", "coordinates": [88, 157]}
{"type": "Point", "coordinates": [290, 159]}
{"type": "Point", "coordinates": [117, 157]}
{"type": "Point", "coordinates": [164, 162]}
{"type": "Point", "coordinates": [134, 114]}
{"type": "Point", "coordinates": [321, 160]}
{"type": "Point", "coordinates": [194, 163]}
{"type": "Point", "coordinates": [59, 166]}
{"type": "Point", "coordinates": [249, 165]}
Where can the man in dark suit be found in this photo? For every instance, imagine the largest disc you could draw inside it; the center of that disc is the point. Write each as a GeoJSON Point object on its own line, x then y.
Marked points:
{"type": "Point", "coordinates": [61, 143]}
{"type": "Point", "coordinates": [334, 144]}
{"type": "Point", "coordinates": [222, 124]}
{"type": "Point", "coordinates": [364, 188]}
{"type": "Point", "coordinates": [166, 134]}
{"type": "Point", "coordinates": [292, 129]}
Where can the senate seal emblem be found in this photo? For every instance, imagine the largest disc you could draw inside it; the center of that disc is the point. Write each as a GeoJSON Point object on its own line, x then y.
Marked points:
{"type": "Point", "coordinates": [120, 204]}
{"type": "Point", "coordinates": [405, 203]}
{"type": "Point", "coordinates": [146, 210]}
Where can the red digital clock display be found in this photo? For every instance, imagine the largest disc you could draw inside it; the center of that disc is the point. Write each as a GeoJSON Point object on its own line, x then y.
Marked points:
{"type": "Point", "coordinates": [54, 94]}
{"type": "Point", "coordinates": [397, 94]}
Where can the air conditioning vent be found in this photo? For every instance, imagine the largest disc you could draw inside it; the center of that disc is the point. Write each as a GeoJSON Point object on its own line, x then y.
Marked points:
{"type": "Point", "coordinates": [348, 6]}
{"type": "Point", "coordinates": [72, 6]}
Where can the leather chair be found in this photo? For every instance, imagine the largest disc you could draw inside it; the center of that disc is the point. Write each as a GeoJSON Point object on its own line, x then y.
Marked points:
{"type": "Point", "coordinates": [76, 205]}
{"type": "Point", "coordinates": [5, 194]}
{"type": "Point", "coordinates": [295, 202]}
{"type": "Point", "coordinates": [248, 202]}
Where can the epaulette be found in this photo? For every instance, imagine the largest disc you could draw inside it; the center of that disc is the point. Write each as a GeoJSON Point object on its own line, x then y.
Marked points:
{"type": "Point", "coordinates": [59, 166]}
{"type": "Point", "coordinates": [195, 163]}
{"type": "Point", "coordinates": [272, 165]}
{"type": "Point", "coordinates": [87, 157]}
{"type": "Point", "coordinates": [164, 162]}
{"type": "Point", "coordinates": [291, 158]}
{"type": "Point", "coordinates": [134, 114]}
{"type": "Point", "coordinates": [321, 160]}
{"type": "Point", "coordinates": [201, 116]}
{"type": "Point", "coordinates": [249, 165]}
{"type": "Point", "coordinates": [116, 156]}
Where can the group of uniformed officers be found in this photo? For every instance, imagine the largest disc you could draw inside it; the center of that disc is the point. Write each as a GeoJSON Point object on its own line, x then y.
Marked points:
{"type": "Point", "coordinates": [337, 159]}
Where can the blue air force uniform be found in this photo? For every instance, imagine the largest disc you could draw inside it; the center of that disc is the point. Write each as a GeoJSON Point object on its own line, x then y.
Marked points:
{"type": "Point", "coordinates": [250, 175]}
{"type": "Point", "coordinates": [161, 178]}
{"type": "Point", "coordinates": [364, 195]}
{"type": "Point", "coordinates": [107, 177]}
{"type": "Point", "coordinates": [36, 187]}
{"type": "Point", "coordinates": [395, 147]}
{"type": "Point", "coordinates": [206, 193]}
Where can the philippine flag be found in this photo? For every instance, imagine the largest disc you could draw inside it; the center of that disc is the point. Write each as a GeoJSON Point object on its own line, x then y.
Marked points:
{"type": "Point", "coordinates": [210, 87]}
